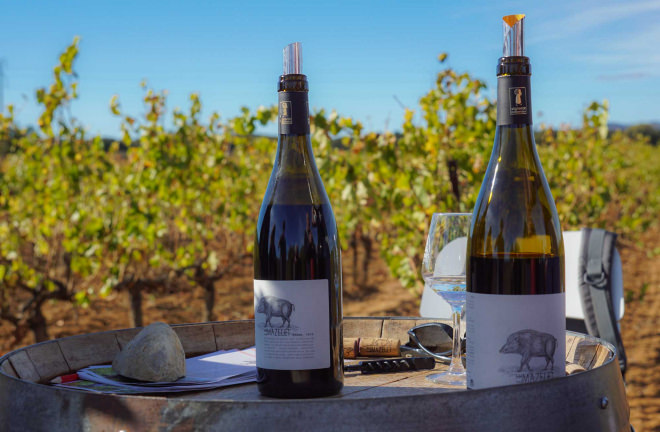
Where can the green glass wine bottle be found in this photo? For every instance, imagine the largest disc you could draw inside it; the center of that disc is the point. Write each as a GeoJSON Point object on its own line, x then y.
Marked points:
{"type": "Point", "coordinates": [515, 307]}
{"type": "Point", "coordinates": [297, 261]}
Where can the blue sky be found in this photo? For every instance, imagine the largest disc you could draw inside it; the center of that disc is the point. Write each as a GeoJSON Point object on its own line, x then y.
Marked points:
{"type": "Point", "coordinates": [357, 55]}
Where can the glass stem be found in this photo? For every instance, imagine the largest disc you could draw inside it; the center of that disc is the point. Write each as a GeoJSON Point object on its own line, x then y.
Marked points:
{"type": "Point", "coordinates": [456, 366]}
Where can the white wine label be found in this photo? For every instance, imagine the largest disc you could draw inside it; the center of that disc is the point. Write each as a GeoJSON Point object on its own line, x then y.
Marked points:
{"type": "Point", "coordinates": [514, 339]}
{"type": "Point", "coordinates": [292, 324]}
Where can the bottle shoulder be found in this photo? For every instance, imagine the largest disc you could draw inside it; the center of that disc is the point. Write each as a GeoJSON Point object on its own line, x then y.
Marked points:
{"type": "Point", "coordinates": [515, 212]}
{"type": "Point", "coordinates": [295, 189]}
{"type": "Point", "coordinates": [295, 178]}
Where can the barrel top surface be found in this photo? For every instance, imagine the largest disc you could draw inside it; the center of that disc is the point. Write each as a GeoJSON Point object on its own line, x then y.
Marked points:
{"type": "Point", "coordinates": [41, 362]}
{"type": "Point", "coordinates": [590, 400]}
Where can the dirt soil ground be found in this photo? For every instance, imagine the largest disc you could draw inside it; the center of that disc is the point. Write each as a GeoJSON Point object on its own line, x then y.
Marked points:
{"type": "Point", "coordinates": [384, 296]}
{"type": "Point", "coordinates": [640, 329]}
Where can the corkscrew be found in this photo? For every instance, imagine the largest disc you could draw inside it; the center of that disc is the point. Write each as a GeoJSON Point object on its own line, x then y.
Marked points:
{"type": "Point", "coordinates": [392, 365]}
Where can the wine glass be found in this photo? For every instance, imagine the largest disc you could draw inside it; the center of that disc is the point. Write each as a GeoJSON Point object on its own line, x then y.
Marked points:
{"type": "Point", "coordinates": [443, 269]}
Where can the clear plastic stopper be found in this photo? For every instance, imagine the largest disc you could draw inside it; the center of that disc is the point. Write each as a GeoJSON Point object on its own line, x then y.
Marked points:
{"type": "Point", "coordinates": [293, 59]}
{"type": "Point", "coordinates": [513, 35]}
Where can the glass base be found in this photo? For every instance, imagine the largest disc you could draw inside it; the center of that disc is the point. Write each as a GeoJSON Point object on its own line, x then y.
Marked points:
{"type": "Point", "coordinates": [448, 378]}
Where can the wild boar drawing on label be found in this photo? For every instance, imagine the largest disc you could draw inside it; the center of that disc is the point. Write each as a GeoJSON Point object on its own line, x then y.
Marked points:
{"type": "Point", "coordinates": [531, 343]}
{"type": "Point", "coordinates": [275, 307]}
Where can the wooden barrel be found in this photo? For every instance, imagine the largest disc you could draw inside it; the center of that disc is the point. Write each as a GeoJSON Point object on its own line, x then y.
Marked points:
{"type": "Point", "coordinates": [593, 400]}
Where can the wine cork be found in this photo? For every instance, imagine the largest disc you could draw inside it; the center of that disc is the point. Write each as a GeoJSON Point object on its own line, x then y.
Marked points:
{"type": "Point", "coordinates": [379, 347]}
{"type": "Point", "coordinates": [351, 347]}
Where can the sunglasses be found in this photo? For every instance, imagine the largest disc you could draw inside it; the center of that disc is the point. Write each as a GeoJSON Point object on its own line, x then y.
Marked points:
{"type": "Point", "coordinates": [434, 339]}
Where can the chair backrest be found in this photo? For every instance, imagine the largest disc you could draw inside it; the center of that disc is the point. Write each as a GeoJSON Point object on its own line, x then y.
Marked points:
{"type": "Point", "coordinates": [433, 306]}
{"type": "Point", "coordinates": [574, 306]}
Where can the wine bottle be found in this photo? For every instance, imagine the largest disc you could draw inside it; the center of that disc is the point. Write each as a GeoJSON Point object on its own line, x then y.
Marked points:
{"type": "Point", "coordinates": [297, 260]}
{"type": "Point", "coordinates": [515, 308]}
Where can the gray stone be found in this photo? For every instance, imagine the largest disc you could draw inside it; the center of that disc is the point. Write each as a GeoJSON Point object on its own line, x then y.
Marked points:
{"type": "Point", "coordinates": [155, 354]}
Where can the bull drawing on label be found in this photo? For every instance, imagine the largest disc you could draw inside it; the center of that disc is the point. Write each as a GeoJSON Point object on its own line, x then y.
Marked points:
{"type": "Point", "coordinates": [275, 307]}
{"type": "Point", "coordinates": [531, 343]}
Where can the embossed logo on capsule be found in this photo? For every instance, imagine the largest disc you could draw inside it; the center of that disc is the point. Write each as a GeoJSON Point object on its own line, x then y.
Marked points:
{"type": "Point", "coordinates": [518, 100]}
{"type": "Point", "coordinates": [285, 112]}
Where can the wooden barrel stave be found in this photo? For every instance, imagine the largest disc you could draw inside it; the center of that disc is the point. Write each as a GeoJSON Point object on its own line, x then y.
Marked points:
{"type": "Point", "coordinates": [48, 360]}
{"type": "Point", "coordinates": [8, 369]}
{"type": "Point", "coordinates": [79, 350]}
{"type": "Point", "coordinates": [233, 334]}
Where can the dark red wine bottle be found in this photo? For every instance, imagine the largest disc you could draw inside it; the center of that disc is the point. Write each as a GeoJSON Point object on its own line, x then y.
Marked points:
{"type": "Point", "coordinates": [297, 261]}
{"type": "Point", "coordinates": [515, 308]}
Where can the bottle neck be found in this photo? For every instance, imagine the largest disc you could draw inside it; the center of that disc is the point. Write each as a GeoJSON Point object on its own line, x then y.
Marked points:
{"type": "Point", "coordinates": [295, 178]}
{"type": "Point", "coordinates": [293, 105]}
{"type": "Point", "coordinates": [514, 98]}
{"type": "Point", "coordinates": [294, 148]}
{"type": "Point", "coordinates": [514, 137]}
